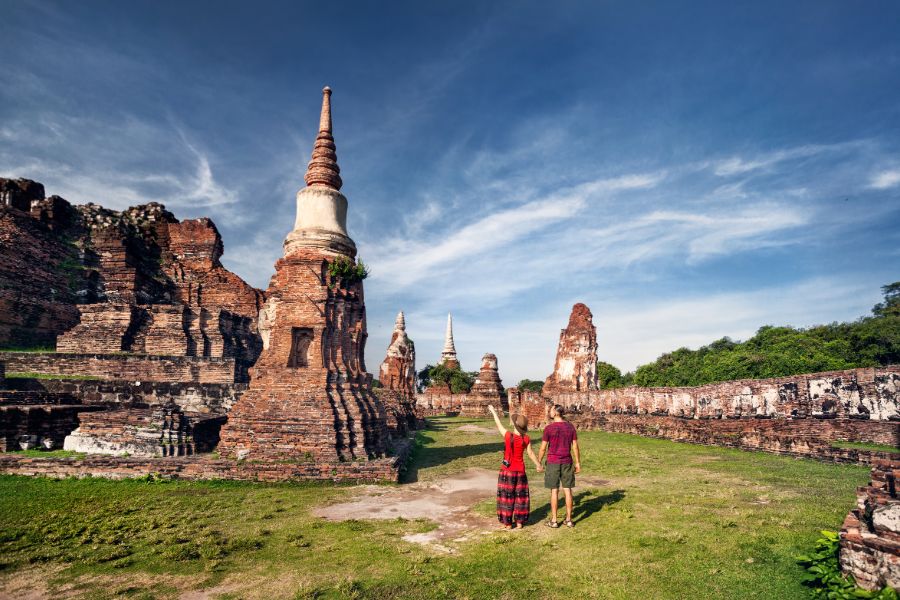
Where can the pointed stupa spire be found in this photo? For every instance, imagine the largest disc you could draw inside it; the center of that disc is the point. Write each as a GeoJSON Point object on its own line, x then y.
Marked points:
{"type": "Point", "coordinates": [323, 168]}
{"type": "Point", "coordinates": [400, 323]}
{"type": "Point", "coordinates": [448, 355]}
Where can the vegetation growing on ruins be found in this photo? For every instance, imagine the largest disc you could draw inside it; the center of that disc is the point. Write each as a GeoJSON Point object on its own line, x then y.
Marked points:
{"type": "Point", "coordinates": [460, 381]}
{"type": "Point", "coordinates": [781, 351]}
{"type": "Point", "coordinates": [659, 519]}
{"type": "Point", "coordinates": [346, 271]}
{"type": "Point", "coordinates": [823, 573]}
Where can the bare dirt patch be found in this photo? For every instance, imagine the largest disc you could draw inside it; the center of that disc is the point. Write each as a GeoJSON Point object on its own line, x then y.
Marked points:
{"type": "Point", "coordinates": [477, 429]}
{"type": "Point", "coordinates": [447, 502]}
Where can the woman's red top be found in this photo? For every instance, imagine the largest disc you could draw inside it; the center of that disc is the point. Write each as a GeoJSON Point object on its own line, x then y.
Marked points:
{"type": "Point", "coordinates": [516, 457]}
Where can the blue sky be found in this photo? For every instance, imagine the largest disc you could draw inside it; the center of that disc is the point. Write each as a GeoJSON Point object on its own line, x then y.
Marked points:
{"type": "Point", "coordinates": [688, 170]}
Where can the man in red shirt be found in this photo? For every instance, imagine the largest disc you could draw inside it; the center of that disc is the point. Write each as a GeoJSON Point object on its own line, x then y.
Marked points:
{"type": "Point", "coordinates": [562, 442]}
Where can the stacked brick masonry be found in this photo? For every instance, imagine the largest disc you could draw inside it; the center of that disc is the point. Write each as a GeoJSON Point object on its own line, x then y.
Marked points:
{"type": "Point", "coordinates": [309, 394]}
{"type": "Point", "coordinates": [25, 426]}
{"type": "Point", "coordinates": [205, 467]}
{"type": "Point", "coordinates": [400, 409]}
{"type": "Point", "coordinates": [212, 398]}
{"type": "Point", "coordinates": [156, 431]}
{"type": "Point", "coordinates": [57, 256]}
{"type": "Point", "coordinates": [124, 367]}
{"type": "Point", "coordinates": [870, 536]}
{"type": "Point", "coordinates": [36, 300]}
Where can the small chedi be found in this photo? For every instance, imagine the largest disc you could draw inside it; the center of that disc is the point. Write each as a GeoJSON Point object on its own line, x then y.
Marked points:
{"type": "Point", "coordinates": [397, 376]}
{"type": "Point", "coordinates": [486, 391]}
{"type": "Point", "coordinates": [576, 356]}
{"type": "Point", "coordinates": [310, 396]}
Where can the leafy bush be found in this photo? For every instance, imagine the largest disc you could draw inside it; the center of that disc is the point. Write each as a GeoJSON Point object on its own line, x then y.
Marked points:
{"type": "Point", "coordinates": [823, 573]}
{"type": "Point", "coordinates": [346, 271]}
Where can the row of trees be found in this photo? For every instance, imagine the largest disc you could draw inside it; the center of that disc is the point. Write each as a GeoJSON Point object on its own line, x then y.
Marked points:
{"type": "Point", "coordinates": [776, 352]}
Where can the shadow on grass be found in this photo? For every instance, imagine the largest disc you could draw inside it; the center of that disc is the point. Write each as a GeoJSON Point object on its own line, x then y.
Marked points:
{"type": "Point", "coordinates": [425, 455]}
{"type": "Point", "coordinates": [585, 504]}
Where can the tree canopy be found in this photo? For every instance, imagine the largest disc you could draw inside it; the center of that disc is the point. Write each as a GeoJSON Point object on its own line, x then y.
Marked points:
{"type": "Point", "coordinates": [778, 351]}
{"type": "Point", "coordinates": [530, 385]}
{"type": "Point", "coordinates": [459, 381]}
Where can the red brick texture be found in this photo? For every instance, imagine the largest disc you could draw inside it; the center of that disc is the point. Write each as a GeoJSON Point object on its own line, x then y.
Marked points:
{"type": "Point", "coordinates": [576, 356]}
{"type": "Point", "coordinates": [124, 367]}
{"type": "Point", "coordinates": [310, 394]}
{"type": "Point", "coordinates": [799, 415]}
{"type": "Point", "coordinates": [870, 536]}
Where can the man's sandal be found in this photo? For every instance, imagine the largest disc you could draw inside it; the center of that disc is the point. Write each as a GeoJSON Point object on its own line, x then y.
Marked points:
{"type": "Point", "coordinates": [570, 524]}
{"type": "Point", "coordinates": [552, 524]}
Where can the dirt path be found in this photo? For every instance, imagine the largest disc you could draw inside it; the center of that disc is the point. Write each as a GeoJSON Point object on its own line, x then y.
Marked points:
{"type": "Point", "coordinates": [447, 502]}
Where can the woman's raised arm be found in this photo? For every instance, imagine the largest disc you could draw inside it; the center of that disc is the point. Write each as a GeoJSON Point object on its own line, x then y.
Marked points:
{"type": "Point", "coordinates": [500, 426]}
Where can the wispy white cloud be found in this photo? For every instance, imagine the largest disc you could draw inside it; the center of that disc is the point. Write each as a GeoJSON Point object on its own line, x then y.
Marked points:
{"type": "Point", "coordinates": [885, 179]}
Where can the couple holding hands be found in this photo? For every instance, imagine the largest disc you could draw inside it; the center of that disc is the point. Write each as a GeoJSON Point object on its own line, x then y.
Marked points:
{"type": "Point", "coordinates": [559, 443]}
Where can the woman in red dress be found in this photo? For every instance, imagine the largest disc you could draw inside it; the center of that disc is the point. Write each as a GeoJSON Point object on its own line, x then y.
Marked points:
{"type": "Point", "coordinates": [513, 498]}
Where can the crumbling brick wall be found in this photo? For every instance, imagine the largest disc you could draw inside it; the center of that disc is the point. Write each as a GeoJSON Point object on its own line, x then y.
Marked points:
{"type": "Point", "coordinates": [870, 536]}
{"type": "Point", "coordinates": [124, 367]}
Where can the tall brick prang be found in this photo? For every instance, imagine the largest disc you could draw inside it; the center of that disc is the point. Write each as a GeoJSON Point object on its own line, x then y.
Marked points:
{"type": "Point", "coordinates": [310, 397]}
{"type": "Point", "coordinates": [576, 356]}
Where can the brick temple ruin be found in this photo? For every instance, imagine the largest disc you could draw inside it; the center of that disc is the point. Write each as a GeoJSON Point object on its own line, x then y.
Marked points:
{"type": "Point", "coordinates": [162, 355]}
{"type": "Point", "coordinates": [397, 376]}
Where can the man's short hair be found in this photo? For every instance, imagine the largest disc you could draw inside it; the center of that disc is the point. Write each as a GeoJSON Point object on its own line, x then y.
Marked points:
{"type": "Point", "coordinates": [559, 409]}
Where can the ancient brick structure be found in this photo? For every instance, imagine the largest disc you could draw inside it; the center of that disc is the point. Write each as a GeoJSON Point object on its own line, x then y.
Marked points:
{"type": "Point", "coordinates": [125, 367]}
{"type": "Point", "coordinates": [57, 256]}
{"type": "Point", "coordinates": [576, 356]}
{"type": "Point", "coordinates": [310, 395]}
{"type": "Point", "coordinates": [487, 390]}
{"type": "Point", "coordinates": [398, 371]}
{"type": "Point", "coordinates": [207, 398]}
{"type": "Point", "coordinates": [206, 467]}
{"type": "Point", "coordinates": [800, 415]}
{"type": "Point", "coordinates": [19, 193]}
{"type": "Point", "coordinates": [157, 431]}
{"type": "Point", "coordinates": [870, 536]}
{"type": "Point", "coordinates": [397, 376]}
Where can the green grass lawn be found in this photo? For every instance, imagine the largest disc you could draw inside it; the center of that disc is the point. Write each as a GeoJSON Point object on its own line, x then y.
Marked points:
{"type": "Point", "coordinates": [672, 521]}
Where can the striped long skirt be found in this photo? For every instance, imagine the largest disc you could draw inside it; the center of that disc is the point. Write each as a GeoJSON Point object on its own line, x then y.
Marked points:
{"type": "Point", "coordinates": [513, 498]}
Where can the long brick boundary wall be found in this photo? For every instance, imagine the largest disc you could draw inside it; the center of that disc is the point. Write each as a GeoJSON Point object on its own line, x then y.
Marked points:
{"type": "Point", "coordinates": [195, 397]}
{"type": "Point", "coordinates": [202, 467]}
{"type": "Point", "coordinates": [800, 415]}
{"type": "Point", "coordinates": [127, 367]}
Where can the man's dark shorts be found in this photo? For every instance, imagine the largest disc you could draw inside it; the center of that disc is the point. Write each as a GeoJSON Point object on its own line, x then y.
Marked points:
{"type": "Point", "coordinates": [556, 475]}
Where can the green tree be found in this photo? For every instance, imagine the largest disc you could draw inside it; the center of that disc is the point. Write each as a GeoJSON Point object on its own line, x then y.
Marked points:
{"type": "Point", "coordinates": [458, 380]}
{"type": "Point", "coordinates": [530, 385]}
{"type": "Point", "coordinates": [608, 376]}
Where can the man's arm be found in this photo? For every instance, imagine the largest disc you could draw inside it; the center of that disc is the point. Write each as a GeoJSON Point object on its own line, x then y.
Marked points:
{"type": "Point", "coordinates": [542, 452]}
{"type": "Point", "coordinates": [577, 453]}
